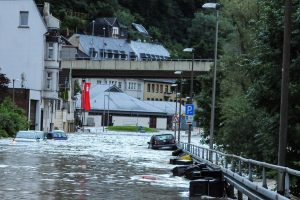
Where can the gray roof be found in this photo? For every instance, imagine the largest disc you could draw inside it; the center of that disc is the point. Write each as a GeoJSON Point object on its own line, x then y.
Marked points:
{"type": "Point", "coordinates": [118, 101]}
{"type": "Point", "coordinates": [166, 106]}
{"type": "Point", "coordinates": [149, 48]}
{"type": "Point", "coordinates": [87, 41]}
{"type": "Point", "coordinates": [156, 80]}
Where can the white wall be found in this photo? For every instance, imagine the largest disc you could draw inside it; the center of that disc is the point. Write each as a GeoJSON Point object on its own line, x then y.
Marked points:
{"type": "Point", "coordinates": [130, 121]}
{"type": "Point", "coordinates": [124, 85]}
{"type": "Point", "coordinates": [161, 123]}
{"type": "Point", "coordinates": [22, 49]}
{"type": "Point", "coordinates": [97, 120]}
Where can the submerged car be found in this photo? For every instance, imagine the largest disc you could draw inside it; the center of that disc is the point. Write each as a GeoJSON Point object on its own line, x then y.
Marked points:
{"type": "Point", "coordinates": [57, 135]}
{"type": "Point", "coordinates": [162, 141]}
{"type": "Point", "coordinates": [29, 136]}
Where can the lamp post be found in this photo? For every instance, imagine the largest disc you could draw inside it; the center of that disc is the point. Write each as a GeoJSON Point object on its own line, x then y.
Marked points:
{"type": "Point", "coordinates": [216, 7]}
{"type": "Point", "coordinates": [93, 27]}
{"type": "Point", "coordinates": [192, 73]}
{"type": "Point", "coordinates": [175, 123]}
{"type": "Point", "coordinates": [103, 115]}
{"type": "Point", "coordinates": [180, 93]}
{"type": "Point", "coordinates": [190, 99]}
{"type": "Point", "coordinates": [103, 43]}
{"type": "Point", "coordinates": [13, 92]}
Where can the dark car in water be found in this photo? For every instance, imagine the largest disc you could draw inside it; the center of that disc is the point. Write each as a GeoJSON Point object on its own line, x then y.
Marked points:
{"type": "Point", "coordinates": [57, 135]}
{"type": "Point", "coordinates": [162, 141]}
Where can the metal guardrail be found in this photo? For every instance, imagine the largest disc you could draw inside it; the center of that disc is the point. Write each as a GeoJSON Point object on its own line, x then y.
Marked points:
{"type": "Point", "coordinates": [241, 172]}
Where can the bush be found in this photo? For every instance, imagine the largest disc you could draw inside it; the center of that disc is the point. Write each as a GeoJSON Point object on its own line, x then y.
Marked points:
{"type": "Point", "coordinates": [12, 119]}
{"type": "Point", "coordinates": [3, 134]}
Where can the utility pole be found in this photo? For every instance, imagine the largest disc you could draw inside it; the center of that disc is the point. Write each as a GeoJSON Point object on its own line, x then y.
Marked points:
{"type": "Point", "coordinates": [284, 94]}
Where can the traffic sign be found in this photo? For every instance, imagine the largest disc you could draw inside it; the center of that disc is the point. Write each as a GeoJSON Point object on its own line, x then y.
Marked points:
{"type": "Point", "coordinates": [189, 119]}
{"type": "Point", "coordinates": [189, 109]}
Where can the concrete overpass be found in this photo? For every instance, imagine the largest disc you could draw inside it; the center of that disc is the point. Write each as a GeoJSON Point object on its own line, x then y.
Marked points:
{"type": "Point", "coordinates": [133, 69]}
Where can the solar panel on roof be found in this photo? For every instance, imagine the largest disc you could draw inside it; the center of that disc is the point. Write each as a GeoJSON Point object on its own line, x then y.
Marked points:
{"type": "Point", "coordinates": [140, 28]}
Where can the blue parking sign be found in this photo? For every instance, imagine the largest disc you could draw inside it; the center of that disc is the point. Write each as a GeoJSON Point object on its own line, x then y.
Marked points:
{"type": "Point", "coordinates": [189, 109]}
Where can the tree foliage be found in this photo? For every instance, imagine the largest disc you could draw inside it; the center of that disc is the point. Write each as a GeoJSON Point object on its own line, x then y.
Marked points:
{"type": "Point", "coordinates": [12, 119]}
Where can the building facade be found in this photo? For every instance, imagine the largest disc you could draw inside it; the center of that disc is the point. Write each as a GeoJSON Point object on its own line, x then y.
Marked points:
{"type": "Point", "coordinates": [26, 59]}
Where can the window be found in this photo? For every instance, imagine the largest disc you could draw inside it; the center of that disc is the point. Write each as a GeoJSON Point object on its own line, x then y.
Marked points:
{"type": "Point", "coordinates": [157, 88]}
{"type": "Point", "coordinates": [99, 82]}
{"type": "Point", "coordinates": [49, 80]}
{"type": "Point", "coordinates": [24, 18]}
{"type": "Point", "coordinates": [161, 89]}
{"type": "Point", "coordinates": [153, 87]}
{"type": "Point", "coordinates": [134, 86]}
{"type": "Point", "coordinates": [148, 99]}
{"type": "Point", "coordinates": [166, 88]}
{"type": "Point", "coordinates": [115, 32]}
{"type": "Point", "coordinates": [148, 87]}
{"type": "Point", "coordinates": [119, 84]}
{"type": "Point", "coordinates": [139, 86]}
{"type": "Point", "coordinates": [50, 51]}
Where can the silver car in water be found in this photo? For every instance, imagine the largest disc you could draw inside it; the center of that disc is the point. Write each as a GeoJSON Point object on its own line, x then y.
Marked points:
{"type": "Point", "coordinates": [29, 136]}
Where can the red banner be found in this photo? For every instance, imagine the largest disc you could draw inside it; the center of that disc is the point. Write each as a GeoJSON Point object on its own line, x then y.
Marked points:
{"type": "Point", "coordinates": [85, 97]}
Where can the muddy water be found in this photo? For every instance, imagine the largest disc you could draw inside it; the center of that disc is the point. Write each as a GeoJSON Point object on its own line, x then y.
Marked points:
{"type": "Point", "coordinates": [88, 166]}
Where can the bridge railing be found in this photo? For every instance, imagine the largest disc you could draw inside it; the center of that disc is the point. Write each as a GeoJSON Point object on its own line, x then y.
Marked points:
{"type": "Point", "coordinates": [251, 169]}
{"type": "Point", "coordinates": [145, 59]}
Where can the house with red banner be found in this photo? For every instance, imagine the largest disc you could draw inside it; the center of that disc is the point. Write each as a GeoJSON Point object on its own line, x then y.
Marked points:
{"type": "Point", "coordinates": [110, 106]}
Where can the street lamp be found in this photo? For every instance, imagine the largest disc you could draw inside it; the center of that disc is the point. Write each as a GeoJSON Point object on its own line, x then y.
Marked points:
{"type": "Point", "coordinates": [103, 43]}
{"type": "Point", "coordinates": [93, 27]}
{"type": "Point", "coordinates": [180, 93]}
{"type": "Point", "coordinates": [192, 73]}
{"type": "Point", "coordinates": [216, 7]}
{"type": "Point", "coordinates": [175, 123]}
{"type": "Point", "coordinates": [190, 99]}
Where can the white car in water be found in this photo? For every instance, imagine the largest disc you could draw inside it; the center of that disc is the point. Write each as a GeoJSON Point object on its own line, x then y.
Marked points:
{"type": "Point", "coordinates": [29, 136]}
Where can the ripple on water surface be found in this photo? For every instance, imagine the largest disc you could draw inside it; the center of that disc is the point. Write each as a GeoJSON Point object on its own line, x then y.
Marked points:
{"type": "Point", "coordinates": [88, 166]}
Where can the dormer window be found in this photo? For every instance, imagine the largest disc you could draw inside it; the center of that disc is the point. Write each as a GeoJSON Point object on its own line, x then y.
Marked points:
{"type": "Point", "coordinates": [115, 32]}
{"type": "Point", "coordinates": [24, 19]}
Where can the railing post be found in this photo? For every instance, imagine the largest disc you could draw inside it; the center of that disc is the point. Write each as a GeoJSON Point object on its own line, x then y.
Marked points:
{"type": "Point", "coordinates": [264, 183]}
{"type": "Point", "coordinates": [287, 185]}
{"type": "Point", "coordinates": [207, 152]}
{"type": "Point", "coordinates": [232, 165]}
{"type": "Point", "coordinates": [226, 163]}
{"type": "Point", "coordinates": [202, 153]}
{"type": "Point", "coordinates": [240, 167]}
{"type": "Point", "coordinates": [217, 159]}
{"type": "Point", "coordinates": [240, 195]}
{"type": "Point", "coordinates": [250, 173]}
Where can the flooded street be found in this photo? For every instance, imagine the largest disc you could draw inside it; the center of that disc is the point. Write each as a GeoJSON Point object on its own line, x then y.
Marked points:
{"type": "Point", "coordinates": [88, 166]}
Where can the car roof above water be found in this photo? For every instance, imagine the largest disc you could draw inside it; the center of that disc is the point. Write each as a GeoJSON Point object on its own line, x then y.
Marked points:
{"type": "Point", "coordinates": [30, 134]}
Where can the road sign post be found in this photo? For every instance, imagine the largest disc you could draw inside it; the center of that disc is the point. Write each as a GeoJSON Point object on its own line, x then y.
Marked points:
{"type": "Point", "coordinates": [189, 112]}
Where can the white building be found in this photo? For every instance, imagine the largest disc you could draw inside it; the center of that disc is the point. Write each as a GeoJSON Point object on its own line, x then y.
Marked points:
{"type": "Point", "coordinates": [132, 87]}
{"type": "Point", "coordinates": [24, 60]}
{"type": "Point", "coordinates": [111, 106]}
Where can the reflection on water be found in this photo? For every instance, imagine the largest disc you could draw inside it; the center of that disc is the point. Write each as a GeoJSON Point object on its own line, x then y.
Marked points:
{"type": "Point", "coordinates": [88, 166]}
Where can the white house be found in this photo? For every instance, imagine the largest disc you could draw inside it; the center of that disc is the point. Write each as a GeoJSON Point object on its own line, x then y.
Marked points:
{"type": "Point", "coordinates": [23, 38]}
